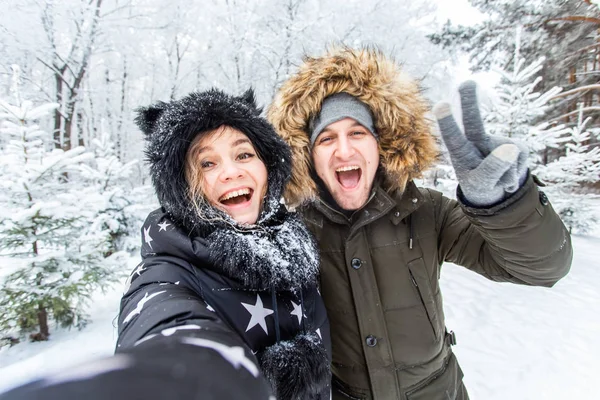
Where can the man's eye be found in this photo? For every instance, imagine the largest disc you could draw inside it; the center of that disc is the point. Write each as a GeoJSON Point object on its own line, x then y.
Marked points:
{"type": "Point", "coordinates": [357, 133]}
{"type": "Point", "coordinates": [325, 139]}
{"type": "Point", "coordinates": [245, 156]}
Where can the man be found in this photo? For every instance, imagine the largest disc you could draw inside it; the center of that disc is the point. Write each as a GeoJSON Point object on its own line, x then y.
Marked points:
{"type": "Point", "coordinates": [359, 135]}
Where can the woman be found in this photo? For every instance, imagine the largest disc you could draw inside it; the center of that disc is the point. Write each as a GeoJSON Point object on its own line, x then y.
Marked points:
{"type": "Point", "coordinates": [223, 263]}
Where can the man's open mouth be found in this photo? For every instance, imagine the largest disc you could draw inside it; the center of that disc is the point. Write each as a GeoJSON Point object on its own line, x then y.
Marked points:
{"type": "Point", "coordinates": [236, 197]}
{"type": "Point", "coordinates": [349, 176]}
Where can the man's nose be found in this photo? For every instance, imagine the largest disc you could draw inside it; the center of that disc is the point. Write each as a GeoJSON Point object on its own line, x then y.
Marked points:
{"type": "Point", "coordinates": [344, 148]}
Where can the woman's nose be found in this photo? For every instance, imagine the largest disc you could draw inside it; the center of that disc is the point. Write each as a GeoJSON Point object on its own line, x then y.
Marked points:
{"type": "Point", "coordinates": [231, 170]}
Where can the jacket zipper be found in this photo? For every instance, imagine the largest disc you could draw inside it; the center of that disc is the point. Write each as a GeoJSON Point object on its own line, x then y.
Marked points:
{"type": "Point", "coordinates": [414, 282]}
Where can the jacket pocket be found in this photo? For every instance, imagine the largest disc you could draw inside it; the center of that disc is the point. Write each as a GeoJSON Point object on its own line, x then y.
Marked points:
{"type": "Point", "coordinates": [423, 289]}
{"type": "Point", "coordinates": [444, 384]}
{"type": "Point", "coordinates": [342, 391]}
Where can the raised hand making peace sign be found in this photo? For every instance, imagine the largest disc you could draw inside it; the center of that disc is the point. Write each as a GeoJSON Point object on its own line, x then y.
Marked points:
{"type": "Point", "coordinates": [488, 168]}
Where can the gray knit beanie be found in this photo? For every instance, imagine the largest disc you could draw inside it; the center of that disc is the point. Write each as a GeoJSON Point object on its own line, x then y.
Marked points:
{"type": "Point", "coordinates": [337, 107]}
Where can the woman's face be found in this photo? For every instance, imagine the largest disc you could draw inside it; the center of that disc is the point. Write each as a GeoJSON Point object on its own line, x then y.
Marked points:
{"type": "Point", "coordinates": [234, 179]}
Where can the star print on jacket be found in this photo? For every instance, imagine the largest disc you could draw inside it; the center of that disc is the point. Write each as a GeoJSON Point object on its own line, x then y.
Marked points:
{"type": "Point", "coordinates": [138, 270]}
{"type": "Point", "coordinates": [163, 226]}
{"type": "Point", "coordinates": [258, 314]}
{"type": "Point", "coordinates": [235, 355]}
{"type": "Point", "coordinates": [140, 306]}
{"type": "Point", "coordinates": [297, 312]}
{"type": "Point", "coordinates": [193, 291]}
{"type": "Point", "coordinates": [147, 237]}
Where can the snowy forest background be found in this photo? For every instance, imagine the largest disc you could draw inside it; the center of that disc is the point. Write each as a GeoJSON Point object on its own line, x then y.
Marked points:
{"type": "Point", "coordinates": [73, 185]}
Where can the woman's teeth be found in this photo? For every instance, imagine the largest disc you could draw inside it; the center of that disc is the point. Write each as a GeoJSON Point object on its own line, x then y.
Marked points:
{"type": "Point", "coordinates": [235, 193]}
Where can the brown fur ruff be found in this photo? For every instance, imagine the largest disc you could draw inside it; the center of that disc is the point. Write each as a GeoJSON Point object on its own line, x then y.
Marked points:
{"type": "Point", "coordinates": [406, 145]}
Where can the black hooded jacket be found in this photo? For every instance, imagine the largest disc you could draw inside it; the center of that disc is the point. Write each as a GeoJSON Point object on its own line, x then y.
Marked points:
{"type": "Point", "coordinates": [250, 291]}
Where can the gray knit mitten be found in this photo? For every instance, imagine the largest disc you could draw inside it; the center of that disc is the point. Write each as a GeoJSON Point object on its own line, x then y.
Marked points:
{"type": "Point", "coordinates": [488, 168]}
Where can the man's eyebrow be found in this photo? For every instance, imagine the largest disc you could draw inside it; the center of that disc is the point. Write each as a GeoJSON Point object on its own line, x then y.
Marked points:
{"type": "Point", "coordinates": [354, 124]}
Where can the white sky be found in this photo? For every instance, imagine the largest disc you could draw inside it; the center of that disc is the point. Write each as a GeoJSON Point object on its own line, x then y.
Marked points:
{"type": "Point", "coordinates": [458, 11]}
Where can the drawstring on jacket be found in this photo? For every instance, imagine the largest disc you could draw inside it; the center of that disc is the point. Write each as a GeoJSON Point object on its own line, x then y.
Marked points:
{"type": "Point", "coordinates": [411, 231]}
{"type": "Point", "coordinates": [276, 314]}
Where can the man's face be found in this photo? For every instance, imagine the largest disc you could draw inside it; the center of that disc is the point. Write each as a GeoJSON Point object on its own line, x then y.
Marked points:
{"type": "Point", "coordinates": [346, 157]}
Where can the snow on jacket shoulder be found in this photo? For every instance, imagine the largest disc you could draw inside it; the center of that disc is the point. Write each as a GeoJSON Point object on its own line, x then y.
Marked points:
{"type": "Point", "coordinates": [178, 289]}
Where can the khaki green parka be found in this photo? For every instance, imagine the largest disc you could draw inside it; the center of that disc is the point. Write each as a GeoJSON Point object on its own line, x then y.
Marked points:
{"type": "Point", "coordinates": [380, 268]}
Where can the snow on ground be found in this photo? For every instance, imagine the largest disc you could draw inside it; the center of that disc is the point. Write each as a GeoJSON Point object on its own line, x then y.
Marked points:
{"type": "Point", "coordinates": [514, 342]}
{"type": "Point", "coordinates": [66, 348]}
{"type": "Point", "coordinates": [517, 342]}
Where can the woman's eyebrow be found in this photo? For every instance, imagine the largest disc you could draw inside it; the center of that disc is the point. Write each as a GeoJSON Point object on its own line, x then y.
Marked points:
{"type": "Point", "coordinates": [234, 144]}
{"type": "Point", "coordinates": [203, 149]}
{"type": "Point", "coordinates": [240, 141]}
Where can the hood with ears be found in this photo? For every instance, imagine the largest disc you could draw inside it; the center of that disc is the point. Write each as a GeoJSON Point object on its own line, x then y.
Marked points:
{"type": "Point", "coordinates": [171, 127]}
{"type": "Point", "coordinates": [406, 145]}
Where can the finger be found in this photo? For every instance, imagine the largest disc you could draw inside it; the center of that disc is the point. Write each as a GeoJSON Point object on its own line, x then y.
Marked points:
{"type": "Point", "coordinates": [496, 164]}
{"type": "Point", "coordinates": [470, 113]}
{"type": "Point", "coordinates": [462, 152]}
{"type": "Point", "coordinates": [451, 133]}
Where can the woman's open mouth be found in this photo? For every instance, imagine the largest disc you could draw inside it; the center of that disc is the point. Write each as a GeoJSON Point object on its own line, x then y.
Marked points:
{"type": "Point", "coordinates": [237, 197]}
{"type": "Point", "coordinates": [349, 176]}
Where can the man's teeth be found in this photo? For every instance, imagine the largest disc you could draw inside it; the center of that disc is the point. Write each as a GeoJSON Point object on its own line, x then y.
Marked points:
{"type": "Point", "coordinates": [235, 193]}
{"type": "Point", "coordinates": [349, 168]}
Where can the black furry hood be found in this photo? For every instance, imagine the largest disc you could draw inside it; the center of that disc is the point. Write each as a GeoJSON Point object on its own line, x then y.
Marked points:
{"type": "Point", "coordinates": [171, 127]}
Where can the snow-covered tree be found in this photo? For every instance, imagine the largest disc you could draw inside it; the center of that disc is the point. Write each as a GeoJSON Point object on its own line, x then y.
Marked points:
{"type": "Point", "coordinates": [514, 114]}
{"type": "Point", "coordinates": [565, 32]}
{"type": "Point", "coordinates": [46, 227]}
{"type": "Point", "coordinates": [120, 207]}
{"type": "Point", "coordinates": [518, 105]}
{"type": "Point", "coordinates": [569, 173]}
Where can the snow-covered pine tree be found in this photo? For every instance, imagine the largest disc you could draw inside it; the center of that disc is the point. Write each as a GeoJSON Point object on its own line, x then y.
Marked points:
{"type": "Point", "coordinates": [570, 173]}
{"type": "Point", "coordinates": [514, 114]}
{"type": "Point", "coordinates": [55, 256]}
{"type": "Point", "coordinates": [110, 195]}
{"type": "Point", "coordinates": [566, 32]}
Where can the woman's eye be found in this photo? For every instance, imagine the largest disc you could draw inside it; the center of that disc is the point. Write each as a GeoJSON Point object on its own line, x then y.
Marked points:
{"type": "Point", "coordinates": [245, 156]}
{"type": "Point", "coordinates": [206, 164]}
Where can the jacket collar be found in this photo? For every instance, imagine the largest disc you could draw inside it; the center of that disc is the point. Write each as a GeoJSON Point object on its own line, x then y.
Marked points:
{"type": "Point", "coordinates": [398, 204]}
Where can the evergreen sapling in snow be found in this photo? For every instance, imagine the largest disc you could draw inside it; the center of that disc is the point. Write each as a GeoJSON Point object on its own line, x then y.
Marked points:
{"type": "Point", "coordinates": [46, 228]}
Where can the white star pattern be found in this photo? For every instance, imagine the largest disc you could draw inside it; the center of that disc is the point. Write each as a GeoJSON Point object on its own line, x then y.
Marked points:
{"type": "Point", "coordinates": [318, 332]}
{"type": "Point", "coordinates": [171, 331]}
{"type": "Point", "coordinates": [163, 226]}
{"type": "Point", "coordinates": [139, 269]}
{"type": "Point", "coordinates": [297, 312]}
{"type": "Point", "coordinates": [147, 237]}
{"type": "Point", "coordinates": [145, 339]}
{"type": "Point", "coordinates": [140, 306]}
{"type": "Point", "coordinates": [235, 355]}
{"type": "Point", "coordinates": [258, 314]}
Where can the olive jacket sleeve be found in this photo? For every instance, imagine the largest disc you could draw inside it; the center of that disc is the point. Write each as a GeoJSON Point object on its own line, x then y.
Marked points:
{"type": "Point", "coordinates": [521, 240]}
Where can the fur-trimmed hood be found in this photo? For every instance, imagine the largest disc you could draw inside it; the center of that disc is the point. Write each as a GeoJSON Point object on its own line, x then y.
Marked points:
{"type": "Point", "coordinates": [406, 145]}
{"type": "Point", "coordinates": [171, 127]}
